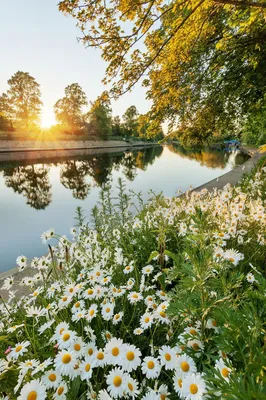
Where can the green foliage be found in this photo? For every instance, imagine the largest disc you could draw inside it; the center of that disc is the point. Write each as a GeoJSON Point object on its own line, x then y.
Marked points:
{"type": "Point", "coordinates": [68, 110]}
{"type": "Point", "coordinates": [100, 117]}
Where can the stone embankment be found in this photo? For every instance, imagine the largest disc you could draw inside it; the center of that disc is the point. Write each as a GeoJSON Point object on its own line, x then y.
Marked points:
{"type": "Point", "coordinates": [33, 150]}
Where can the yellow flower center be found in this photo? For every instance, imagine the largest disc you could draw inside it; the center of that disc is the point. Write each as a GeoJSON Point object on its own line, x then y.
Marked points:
{"type": "Point", "coordinates": [130, 355]}
{"type": "Point", "coordinates": [162, 314]}
{"type": "Point", "coordinates": [77, 304]}
{"type": "Point", "coordinates": [90, 352]}
{"type": "Point", "coordinates": [98, 273]}
{"type": "Point", "coordinates": [90, 291]}
{"type": "Point", "coordinates": [71, 290]}
{"type": "Point", "coordinates": [108, 336]}
{"type": "Point", "coordinates": [193, 331]}
{"type": "Point", "coordinates": [115, 351]}
{"type": "Point", "coordinates": [18, 348]}
{"type": "Point", "coordinates": [195, 346]}
{"type": "Point", "coordinates": [117, 316]}
{"type": "Point", "coordinates": [100, 355]}
{"type": "Point", "coordinates": [61, 331]}
{"type": "Point", "coordinates": [135, 296]}
{"type": "Point", "coordinates": [87, 367]}
{"type": "Point", "coordinates": [147, 319]}
{"type": "Point", "coordinates": [66, 358]}
{"type": "Point", "coordinates": [66, 336]}
{"type": "Point", "coordinates": [180, 382]}
{"type": "Point", "coordinates": [193, 388]}
{"type": "Point", "coordinates": [32, 395]}
{"type": "Point", "coordinates": [52, 377]}
{"type": "Point", "coordinates": [184, 366]}
{"type": "Point", "coordinates": [231, 259]}
{"type": "Point", "coordinates": [214, 323]}
{"type": "Point", "coordinates": [163, 396]}
{"type": "Point", "coordinates": [107, 310]}
{"type": "Point", "coordinates": [128, 268]}
{"type": "Point", "coordinates": [130, 386]}
{"type": "Point", "coordinates": [151, 365]}
{"type": "Point", "coordinates": [117, 381]}
{"type": "Point", "coordinates": [60, 390]}
{"type": "Point", "coordinates": [64, 298]}
{"type": "Point", "coordinates": [91, 313]}
{"type": "Point", "coordinates": [168, 357]}
{"type": "Point", "coordinates": [162, 294]}
{"type": "Point", "coordinates": [225, 372]}
{"type": "Point", "coordinates": [77, 347]}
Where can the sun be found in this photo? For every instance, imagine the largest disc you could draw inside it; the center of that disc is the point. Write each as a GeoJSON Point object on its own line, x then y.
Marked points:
{"type": "Point", "coordinates": [48, 119]}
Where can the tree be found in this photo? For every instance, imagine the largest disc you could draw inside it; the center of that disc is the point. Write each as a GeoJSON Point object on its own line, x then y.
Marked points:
{"type": "Point", "coordinates": [6, 117]}
{"type": "Point", "coordinates": [23, 100]}
{"type": "Point", "coordinates": [197, 54]}
{"type": "Point", "coordinates": [149, 128]}
{"type": "Point", "coordinates": [117, 127]}
{"type": "Point", "coordinates": [130, 119]}
{"type": "Point", "coordinates": [100, 118]}
{"type": "Point", "coordinates": [68, 110]}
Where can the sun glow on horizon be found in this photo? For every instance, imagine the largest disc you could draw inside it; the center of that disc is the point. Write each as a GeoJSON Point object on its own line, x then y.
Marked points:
{"type": "Point", "coordinates": [47, 119]}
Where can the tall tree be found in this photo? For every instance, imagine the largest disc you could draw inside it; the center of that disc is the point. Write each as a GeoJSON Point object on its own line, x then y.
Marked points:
{"type": "Point", "coordinates": [6, 113]}
{"type": "Point", "coordinates": [130, 119]}
{"type": "Point", "coordinates": [23, 99]}
{"type": "Point", "coordinates": [100, 117]}
{"type": "Point", "coordinates": [69, 109]}
{"type": "Point", "coordinates": [198, 53]}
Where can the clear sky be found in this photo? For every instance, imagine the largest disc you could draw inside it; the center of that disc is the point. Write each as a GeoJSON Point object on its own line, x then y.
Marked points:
{"type": "Point", "coordinates": [37, 38]}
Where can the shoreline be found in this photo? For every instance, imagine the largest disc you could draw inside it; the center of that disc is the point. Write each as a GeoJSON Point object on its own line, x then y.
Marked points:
{"type": "Point", "coordinates": [31, 150]}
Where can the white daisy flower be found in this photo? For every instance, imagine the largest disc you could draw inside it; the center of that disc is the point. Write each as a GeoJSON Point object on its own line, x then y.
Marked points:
{"type": "Point", "coordinates": [168, 357]}
{"type": "Point", "coordinates": [33, 390]}
{"type": "Point", "coordinates": [65, 361]}
{"type": "Point", "coordinates": [78, 347]}
{"type": "Point", "coordinates": [14, 328]}
{"type": "Point", "coordinates": [134, 297]}
{"type": "Point", "coordinates": [66, 339]}
{"type": "Point", "coordinates": [128, 269]}
{"type": "Point", "coordinates": [114, 351]}
{"type": "Point", "coordinates": [21, 262]}
{"type": "Point", "coordinates": [131, 358]}
{"type": "Point", "coordinates": [42, 366]}
{"type": "Point", "coordinates": [90, 349]}
{"type": "Point", "coordinates": [99, 358]}
{"type": "Point", "coordinates": [132, 387]}
{"type": "Point", "coordinates": [196, 345]}
{"type": "Point", "coordinates": [45, 236]}
{"type": "Point", "coordinates": [90, 293]}
{"type": "Point", "coordinates": [108, 311]}
{"type": "Point", "coordinates": [61, 391]}
{"type": "Point", "coordinates": [85, 368]}
{"type": "Point", "coordinates": [193, 387]}
{"type": "Point", "coordinates": [147, 270]}
{"type": "Point", "coordinates": [19, 350]}
{"type": "Point", "coordinates": [138, 331]}
{"type": "Point", "coordinates": [103, 395]}
{"type": "Point", "coordinates": [151, 367]}
{"type": "Point", "coordinates": [92, 312]}
{"type": "Point", "coordinates": [223, 368]}
{"type": "Point", "coordinates": [116, 382]}
{"type": "Point", "coordinates": [212, 324]}
{"type": "Point", "coordinates": [130, 283]}
{"type": "Point", "coordinates": [163, 392]}
{"type": "Point", "coordinates": [51, 379]}
{"type": "Point", "coordinates": [118, 317]}
{"type": "Point", "coordinates": [146, 320]}
{"type": "Point", "coordinates": [185, 365]}
{"type": "Point", "coordinates": [178, 383]}
{"type": "Point", "coordinates": [250, 277]}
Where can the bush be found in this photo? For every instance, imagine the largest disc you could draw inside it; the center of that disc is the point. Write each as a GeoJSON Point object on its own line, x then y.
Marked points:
{"type": "Point", "coordinates": [166, 304]}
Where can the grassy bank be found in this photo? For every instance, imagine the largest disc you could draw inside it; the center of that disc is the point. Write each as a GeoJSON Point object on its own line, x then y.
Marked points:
{"type": "Point", "coordinates": [168, 304]}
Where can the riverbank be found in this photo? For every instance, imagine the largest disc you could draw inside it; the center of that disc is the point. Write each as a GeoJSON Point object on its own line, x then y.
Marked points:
{"type": "Point", "coordinates": [234, 176]}
{"type": "Point", "coordinates": [21, 150]}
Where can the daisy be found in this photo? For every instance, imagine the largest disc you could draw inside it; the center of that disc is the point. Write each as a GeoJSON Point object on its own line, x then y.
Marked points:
{"type": "Point", "coordinates": [85, 368]}
{"type": "Point", "coordinates": [103, 395]}
{"type": "Point", "coordinates": [233, 256]}
{"type": "Point", "coordinates": [89, 294]}
{"type": "Point", "coordinates": [117, 382]}
{"type": "Point", "coordinates": [151, 367]}
{"type": "Point", "coordinates": [146, 320]}
{"type": "Point", "coordinates": [42, 367]}
{"type": "Point", "coordinates": [250, 277]}
{"type": "Point", "coordinates": [185, 365]}
{"type": "Point", "coordinates": [33, 390]}
{"type": "Point", "coordinates": [108, 311]}
{"type": "Point", "coordinates": [178, 383]}
{"type": "Point", "coordinates": [79, 316]}
{"type": "Point", "coordinates": [130, 283]}
{"type": "Point", "coordinates": [51, 379]}
{"type": "Point", "coordinates": [134, 297]}
{"type": "Point", "coordinates": [99, 358]}
{"type": "Point", "coordinates": [45, 236]}
{"type": "Point", "coordinates": [163, 392]}
{"type": "Point", "coordinates": [224, 370]}
{"type": "Point", "coordinates": [92, 312]}
{"type": "Point", "coordinates": [212, 324]}
{"type": "Point", "coordinates": [21, 262]}
{"type": "Point", "coordinates": [118, 317]}
{"type": "Point", "coordinates": [162, 295]}
{"type": "Point", "coordinates": [78, 347]}
{"type": "Point", "coordinates": [147, 270]}
{"type": "Point", "coordinates": [193, 387]}
{"type": "Point", "coordinates": [19, 349]}
{"type": "Point", "coordinates": [90, 349]}
{"type": "Point", "coordinates": [196, 345]}
{"type": "Point", "coordinates": [138, 331]}
{"type": "Point", "coordinates": [131, 359]}
{"type": "Point", "coordinates": [66, 339]}
{"type": "Point", "coordinates": [14, 328]}
{"type": "Point", "coordinates": [128, 269]}
{"type": "Point", "coordinates": [132, 387]}
{"type": "Point", "coordinates": [162, 317]}
{"type": "Point", "coordinates": [61, 391]}
{"type": "Point", "coordinates": [114, 351]}
{"type": "Point", "coordinates": [46, 326]}
{"type": "Point", "coordinates": [168, 357]}
{"type": "Point", "coordinates": [64, 301]}
{"type": "Point", "coordinates": [65, 362]}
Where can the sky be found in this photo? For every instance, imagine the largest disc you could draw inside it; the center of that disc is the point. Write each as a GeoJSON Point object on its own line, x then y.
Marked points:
{"type": "Point", "coordinates": [37, 38]}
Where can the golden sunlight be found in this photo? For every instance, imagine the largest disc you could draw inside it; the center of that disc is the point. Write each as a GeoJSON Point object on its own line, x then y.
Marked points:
{"type": "Point", "coordinates": [48, 119]}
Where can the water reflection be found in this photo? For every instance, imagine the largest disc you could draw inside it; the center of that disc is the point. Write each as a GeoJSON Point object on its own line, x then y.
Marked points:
{"type": "Point", "coordinates": [32, 181]}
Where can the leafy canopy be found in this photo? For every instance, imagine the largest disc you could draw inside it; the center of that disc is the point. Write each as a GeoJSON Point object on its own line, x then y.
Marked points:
{"type": "Point", "coordinates": [190, 54]}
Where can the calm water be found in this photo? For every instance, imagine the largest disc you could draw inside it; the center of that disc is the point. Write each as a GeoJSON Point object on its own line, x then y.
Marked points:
{"type": "Point", "coordinates": [37, 196]}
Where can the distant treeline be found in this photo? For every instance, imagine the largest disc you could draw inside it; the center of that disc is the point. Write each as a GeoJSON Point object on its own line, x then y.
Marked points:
{"type": "Point", "coordinates": [20, 109]}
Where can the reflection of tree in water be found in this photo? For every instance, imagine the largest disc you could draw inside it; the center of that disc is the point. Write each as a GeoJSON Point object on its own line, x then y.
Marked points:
{"type": "Point", "coordinates": [139, 160]}
{"type": "Point", "coordinates": [32, 181]}
{"type": "Point", "coordinates": [209, 158]}
{"type": "Point", "coordinates": [73, 176]}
